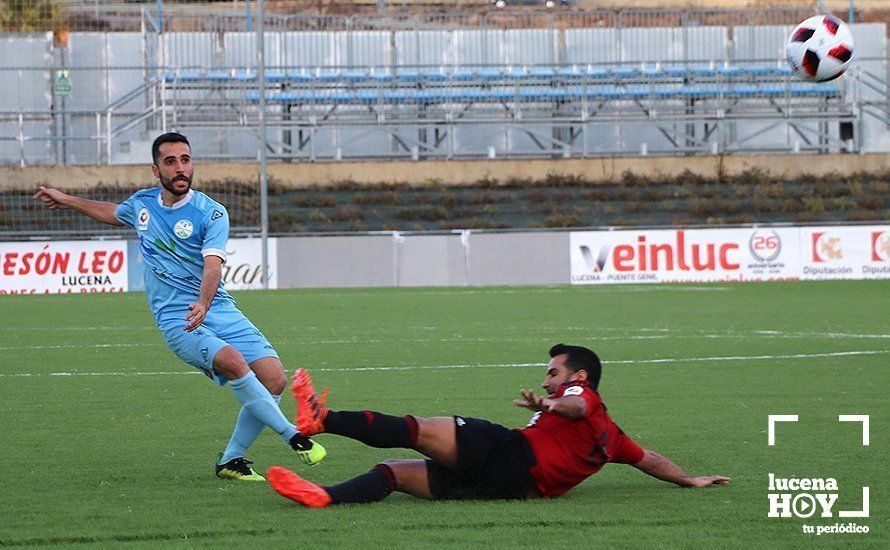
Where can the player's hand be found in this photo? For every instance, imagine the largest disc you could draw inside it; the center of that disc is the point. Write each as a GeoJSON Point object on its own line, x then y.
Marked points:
{"type": "Point", "coordinates": [197, 313]}
{"type": "Point", "coordinates": [531, 401]}
{"type": "Point", "coordinates": [53, 198]}
{"type": "Point", "coordinates": [704, 481]}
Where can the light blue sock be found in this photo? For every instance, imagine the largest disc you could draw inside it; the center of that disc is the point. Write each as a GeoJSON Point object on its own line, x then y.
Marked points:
{"type": "Point", "coordinates": [259, 402]}
{"type": "Point", "coordinates": [247, 429]}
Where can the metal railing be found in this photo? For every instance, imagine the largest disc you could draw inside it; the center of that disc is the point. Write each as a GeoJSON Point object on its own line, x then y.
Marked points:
{"type": "Point", "coordinates": [183, 37]}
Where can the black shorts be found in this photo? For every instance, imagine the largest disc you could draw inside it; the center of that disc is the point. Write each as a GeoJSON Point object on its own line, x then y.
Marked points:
{"type": "Point", "coordinates": [492, 463]}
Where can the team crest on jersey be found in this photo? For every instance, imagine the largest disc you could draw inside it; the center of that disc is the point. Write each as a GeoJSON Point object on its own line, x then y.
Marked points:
{"type": "Point", "coordinates": [183, 229]}
{"type": "Point", "coordinates": [143, 218]}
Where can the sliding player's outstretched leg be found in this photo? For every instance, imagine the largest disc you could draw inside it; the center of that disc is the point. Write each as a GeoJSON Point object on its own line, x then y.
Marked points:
{"type": "Point", "coordinates": [434, 437]}
{"type": "Point", "coordinates": [406, 476]}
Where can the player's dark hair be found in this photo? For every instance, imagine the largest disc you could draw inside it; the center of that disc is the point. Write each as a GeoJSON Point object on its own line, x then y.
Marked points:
{"type": "Point", "coordinates": [580, 358]}
{"type": "Point", "coordinates": [169, 137]}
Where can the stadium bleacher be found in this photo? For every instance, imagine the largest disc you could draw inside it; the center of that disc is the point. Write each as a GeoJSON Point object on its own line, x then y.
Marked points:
{"type": "Point", "coordinates": [505, 85]}
{"type": "Point", "coordinates": [529, 84]}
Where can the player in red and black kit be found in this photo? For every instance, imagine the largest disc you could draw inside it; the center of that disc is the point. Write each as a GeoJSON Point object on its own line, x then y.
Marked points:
{"type": "Point", "coordinates": [570, 437]}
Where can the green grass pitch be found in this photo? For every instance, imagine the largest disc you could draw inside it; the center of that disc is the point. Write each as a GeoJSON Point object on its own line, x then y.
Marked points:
{"type": "Point", "coordinates": [109, 440]}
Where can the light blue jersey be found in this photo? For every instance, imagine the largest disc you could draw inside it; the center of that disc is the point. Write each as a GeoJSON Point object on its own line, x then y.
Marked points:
{"type": "Point", "coordinates": [174, 241]}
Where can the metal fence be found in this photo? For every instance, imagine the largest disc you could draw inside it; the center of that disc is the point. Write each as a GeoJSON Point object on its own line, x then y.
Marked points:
{"type": "Point", "coordinates": [22, 217]}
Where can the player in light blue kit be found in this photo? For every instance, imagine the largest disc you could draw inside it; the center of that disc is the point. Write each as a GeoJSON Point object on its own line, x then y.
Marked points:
{"type": "Point", "coordinates": [183, 236]}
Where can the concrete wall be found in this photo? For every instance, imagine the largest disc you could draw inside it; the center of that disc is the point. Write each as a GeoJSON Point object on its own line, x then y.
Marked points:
{"type": "Point", "coordinates": [518, 258]}
{"type": "Point", "coordinates": [475, 259]}
{"type": "Point", "coordinates": [336, 261]}
{"type": "Point", "coordinates": [431, 260]}
{"type": "Point", "coordinates": [456, 172]}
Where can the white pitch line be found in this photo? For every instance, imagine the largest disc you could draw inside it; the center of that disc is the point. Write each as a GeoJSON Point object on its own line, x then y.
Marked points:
{"type": "Point", "coordinates": [819, 334]}
{"type": "Point", "coordinates": [79, 346]}
{"type": "Point", "coordinates": [327, 342]}
{"type": "Point", "coordinates": [749, 357]}
{"type": "Point", "coordinates": [364, 341]}
{"type": "Point", "coordinates": [620, 362]}
{"type": "Point", "coordinates": [482, 366]}
{"type": "Point", "coordinates": [80, 329]}
{"type": "Point", "coordinates": [66, 374]}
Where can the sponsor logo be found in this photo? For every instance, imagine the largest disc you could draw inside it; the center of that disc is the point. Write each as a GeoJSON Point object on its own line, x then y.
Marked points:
{"type": "Point", "coordinates": [216, 215]}
{"type": "Point", "coordinates": [880, 246]}
{"type": "Point", "coordinates": [595, 265]}
{"type": "Point", "coordinates": [245, 274]}
{"type": "Point", "coordinates": [143, 218]}
{"type": "Point", "coordinates": [183, 229]}
{"type": "Point", "coordinates": [62, 267]}
{"type": "Point", "coordinates": [765, 245]}
{"type": "Point", "coordinates": [826, 247]}
{"type": "Point", "coordinates": [673, 255]}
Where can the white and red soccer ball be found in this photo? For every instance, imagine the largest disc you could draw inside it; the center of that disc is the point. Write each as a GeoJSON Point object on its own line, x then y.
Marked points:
{"type": "Point", "coordinates": [820, 48]}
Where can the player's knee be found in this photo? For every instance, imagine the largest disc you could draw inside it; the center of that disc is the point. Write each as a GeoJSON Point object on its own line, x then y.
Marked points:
{"type": "Point", "coordinates": [276, 384]}
{"type": "Point", "coordinates": [391, 468]}
{"type": "Point", "coordinates": [271, 374]}
{"type": "Point", "coordinates": [407, 475]}
{"type": "Point", "coordinates": [229, 363]}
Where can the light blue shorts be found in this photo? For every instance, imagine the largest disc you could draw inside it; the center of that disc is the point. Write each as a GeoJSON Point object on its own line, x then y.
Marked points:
{"type": "Point", "coordinates": [224, 325]}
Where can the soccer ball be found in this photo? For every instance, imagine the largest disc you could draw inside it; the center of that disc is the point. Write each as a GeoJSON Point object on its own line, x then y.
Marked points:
{"type": "Point", "coordinates": [820, 48]}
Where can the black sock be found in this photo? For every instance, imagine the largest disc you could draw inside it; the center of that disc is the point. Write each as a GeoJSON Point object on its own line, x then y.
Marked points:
{"type": "Point", "coordinates": [300, 443]}
{"type": "Point", "coordinates": [370, 487]}
{"type": "Point", "coordinates": [374, 429]}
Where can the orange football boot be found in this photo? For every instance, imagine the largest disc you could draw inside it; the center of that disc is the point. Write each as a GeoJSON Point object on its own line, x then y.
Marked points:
{"type": "Point", "coordinates": [311, 410]}
{"type": "Point", "coordinates": [290, 485]}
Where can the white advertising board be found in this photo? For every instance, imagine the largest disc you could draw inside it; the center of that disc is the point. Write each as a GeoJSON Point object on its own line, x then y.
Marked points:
{"type": "Point", "coordinates": [56, 267]}
{"type": "Point", "coordinates": [678, 255]}
{"type": "Point", "coordinates": [243, 267]}
{"type": "Point", "coordinates": [848, 252]}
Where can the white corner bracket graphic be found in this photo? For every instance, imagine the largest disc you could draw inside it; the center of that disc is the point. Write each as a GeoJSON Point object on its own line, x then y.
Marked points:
{"type": "Point", "coordinates": [857, 418]}
{"type": "Point", "coordinates": [857, 513]}
{"type": "Point", "coordinates": [771, 431]}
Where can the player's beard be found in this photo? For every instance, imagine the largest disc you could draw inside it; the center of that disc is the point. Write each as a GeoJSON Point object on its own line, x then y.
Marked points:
{"type": "Point", "coordinates": [168, 184]}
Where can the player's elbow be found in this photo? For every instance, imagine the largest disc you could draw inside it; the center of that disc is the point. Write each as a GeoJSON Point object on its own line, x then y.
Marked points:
{"type": "Point", "coordinates": [577, 413]}
{"type": "Point", "coordinates": [212, 263]}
